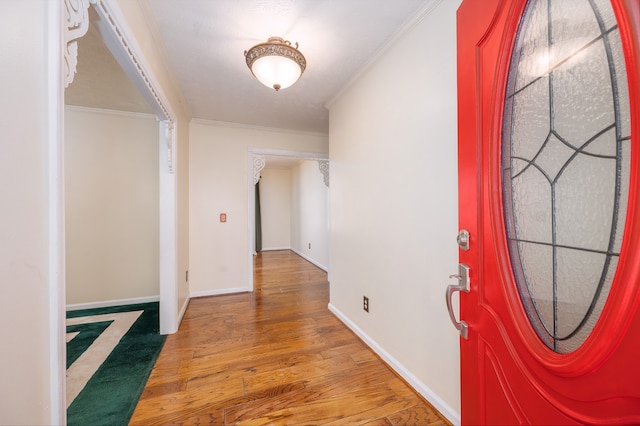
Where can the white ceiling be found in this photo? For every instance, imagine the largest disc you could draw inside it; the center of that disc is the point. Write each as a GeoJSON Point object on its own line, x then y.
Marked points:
{"type": "Point", "coordinates": [204, 43]}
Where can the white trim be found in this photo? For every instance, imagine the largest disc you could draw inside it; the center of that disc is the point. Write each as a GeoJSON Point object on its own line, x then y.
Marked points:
{"type": "Point", "coordinates": [255, 127]}
{"type": "Point", "coordinates": [251, 217]}
{"type": "Point", "coordinates": [310, 260]}
{"type": "Point", "coordinates": [119, 39]}
{"type": "Point", "coordinates": [298, 155]}
{"type": "Point", "coordinates": [437, 402]}
{"type": "Point", "coordinates": [183, 310]}
{"type": "Point", "coordinates": [110, 303]}
{"type": "Point", "coordinates": [77, 24]}
{"type": "Point", "coordinates": [195, 294]}
{"type": "Point", "coordinates": [54, 138]}
{"type": "Point", "coordinates": [423, 12]}
{"type": "Point", "coordinates": [144, 115]}
{"type": "Point", "coordinates": [276, 248]}
{"type": "Point", "coordinates": [168, 238]}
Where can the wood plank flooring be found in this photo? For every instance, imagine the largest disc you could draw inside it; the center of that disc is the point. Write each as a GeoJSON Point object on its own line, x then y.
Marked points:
{"type": "Point", "coordinates": [274, 356]}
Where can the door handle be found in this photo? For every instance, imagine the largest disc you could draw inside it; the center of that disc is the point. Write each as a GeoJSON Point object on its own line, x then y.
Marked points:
{"type": "Point", "coordinates": [463, 285]}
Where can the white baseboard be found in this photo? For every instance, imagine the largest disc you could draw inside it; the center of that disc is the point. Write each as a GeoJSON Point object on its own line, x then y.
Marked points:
{"type": "Point", "coordinates": [183, 310]}
{"type": "Point", "coordinates": [109, 303]}
{"type": "Point", "coordinates": [220, 292]}
{"type": "Point", "coordinates": [444, 408]}
{"type": "Point", "coordinates": [308, 259]}
{"type": "Point", "coordinates": [275, 248]}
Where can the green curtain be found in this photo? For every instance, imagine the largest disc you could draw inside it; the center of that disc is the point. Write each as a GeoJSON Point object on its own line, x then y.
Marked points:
{"type": "Point", "coordinates": [258, 220]}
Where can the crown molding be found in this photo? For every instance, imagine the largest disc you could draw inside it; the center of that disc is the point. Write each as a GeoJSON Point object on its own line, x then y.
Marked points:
{"type": "Point", "coordinates": [111, 112]}
{"type": "Point", "coordinates": [258, 128]}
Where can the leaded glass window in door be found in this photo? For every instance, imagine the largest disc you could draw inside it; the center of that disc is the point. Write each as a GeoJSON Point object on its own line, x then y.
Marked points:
{"type": "Point", "coordinates": [565, 158]}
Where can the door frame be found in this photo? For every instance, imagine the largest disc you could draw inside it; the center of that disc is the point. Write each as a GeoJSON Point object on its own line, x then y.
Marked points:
{"type": "Point", "coordinates": [257, 159]}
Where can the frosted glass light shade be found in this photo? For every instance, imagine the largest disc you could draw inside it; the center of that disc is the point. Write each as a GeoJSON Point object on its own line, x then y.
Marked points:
{"type": "Point", "coordinates": [276, 71]}
{"type": "Point", "coordinates": [276, 63]}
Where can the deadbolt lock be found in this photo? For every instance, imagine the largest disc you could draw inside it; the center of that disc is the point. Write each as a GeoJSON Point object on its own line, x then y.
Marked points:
{"type": "Point", "coordinates": [463, 239]}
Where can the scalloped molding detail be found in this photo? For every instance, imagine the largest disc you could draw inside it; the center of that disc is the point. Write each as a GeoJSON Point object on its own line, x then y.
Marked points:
{"type": "Point", "coordinates": [324, 169]}
{"type": "Point", "coordinates": [258, 164]}
{"type": "Point", "coordinates": [77, 20]}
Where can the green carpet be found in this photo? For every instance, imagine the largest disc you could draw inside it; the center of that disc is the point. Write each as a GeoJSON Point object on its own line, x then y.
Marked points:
{"type": "Point", "coordinates": [111, 394]}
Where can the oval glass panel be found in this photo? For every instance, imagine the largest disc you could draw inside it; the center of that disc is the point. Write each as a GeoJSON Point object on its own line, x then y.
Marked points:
{"type": "Point", "coordinates": [565, 160]}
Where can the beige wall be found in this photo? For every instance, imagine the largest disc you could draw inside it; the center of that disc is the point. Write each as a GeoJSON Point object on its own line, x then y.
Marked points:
{"type": "Point", "coordinates": [30, 274]}
{"type": "Point", "coordinates": [310, 213]}
{"type": "Point", "coordinates": [218, 176]}
{"type": "Point", "coordinates": [295, 215]}
{"type": "Point", "coordinates": [393, 145]}
{"type": "Point", "coordinates": [275, 208]}
{"type": "Point", "coordinates": [111, 206]}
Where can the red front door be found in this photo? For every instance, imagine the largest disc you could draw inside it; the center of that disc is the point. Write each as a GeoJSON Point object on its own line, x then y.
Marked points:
{"type": "Point", "coordinates": [549, 98]}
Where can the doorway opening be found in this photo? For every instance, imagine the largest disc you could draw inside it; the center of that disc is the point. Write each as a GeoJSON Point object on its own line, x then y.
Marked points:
{"type": "Point", "coordinates": [105, 20]}
{"type": "Point", "coordinates": [293, 178]}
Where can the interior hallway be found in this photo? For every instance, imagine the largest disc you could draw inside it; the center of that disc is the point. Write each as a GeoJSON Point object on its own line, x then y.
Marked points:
{"type": "Point", "coordinates": [276, 355]}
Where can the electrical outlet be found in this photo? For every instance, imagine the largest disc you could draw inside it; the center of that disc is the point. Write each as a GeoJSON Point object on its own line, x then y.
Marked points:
{"type": "Point", "coordinates": [309, 246]}
{"type": "Point", "coordinates": [365, 303]}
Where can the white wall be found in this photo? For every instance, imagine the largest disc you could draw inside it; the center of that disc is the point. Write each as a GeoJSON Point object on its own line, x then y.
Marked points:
{"type": "Point", "coordinates": [31, 276]}
{"type": "Point", "coordinates": [218, 183]}
{"type": "Point", "coordinates": [393, 148]}
{"type": "Point", "coordinates": [275, 208]}
{"type": "Point", "coordinates": [310, 214]}
{"type": "Point", "coordinates": [111, 205]}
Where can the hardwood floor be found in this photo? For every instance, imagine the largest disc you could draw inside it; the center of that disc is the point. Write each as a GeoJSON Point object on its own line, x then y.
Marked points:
{"type": "Point", "coordinates": [274, 356]}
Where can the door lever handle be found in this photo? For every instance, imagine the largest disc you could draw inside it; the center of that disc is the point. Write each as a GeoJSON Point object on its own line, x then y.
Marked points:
{"type": "Point", "coordinates": [463, 279]}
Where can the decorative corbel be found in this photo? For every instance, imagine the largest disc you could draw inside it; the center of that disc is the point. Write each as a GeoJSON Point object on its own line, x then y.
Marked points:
{"type": "Point", "coordinates": [170, 134]}
{"type": "Point", "coordinates": [258, 164]}
{"type": "Point", "coordinates": [324, 169]}
{"type": "Point", "coordinates": [77, 16]}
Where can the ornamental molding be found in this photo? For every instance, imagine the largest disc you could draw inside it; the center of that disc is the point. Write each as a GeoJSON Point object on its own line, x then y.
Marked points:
{"type": "Point", "coordinates": [169, 128]}
{"type": "Point", "coordinates": [123, 47]}
{"type": "Point", "coordinates": [324, 169]}
{"type": "Point", "coordinates": [77, 17]}
{"type": "Point", "coordinates": [258, 164]}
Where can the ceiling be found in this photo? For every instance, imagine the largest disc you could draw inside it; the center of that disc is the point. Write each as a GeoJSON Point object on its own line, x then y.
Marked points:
{"type": "Point", "coordinates": [203, 42]}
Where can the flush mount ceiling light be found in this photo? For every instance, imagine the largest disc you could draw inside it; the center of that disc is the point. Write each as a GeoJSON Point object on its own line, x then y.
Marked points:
{"type": "Point", "coordinates": [276, 63]}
